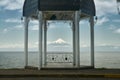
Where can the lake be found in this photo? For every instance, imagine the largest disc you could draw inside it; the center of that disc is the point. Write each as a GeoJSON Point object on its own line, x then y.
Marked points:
{"type": "Point", "coordinates": [17, 59]}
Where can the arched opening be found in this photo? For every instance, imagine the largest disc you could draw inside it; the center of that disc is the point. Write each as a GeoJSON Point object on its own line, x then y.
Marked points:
{"type": "Point", "coordinates": [59, 44]}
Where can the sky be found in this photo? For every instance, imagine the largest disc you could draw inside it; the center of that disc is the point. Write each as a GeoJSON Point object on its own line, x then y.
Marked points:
{"type": "Point", "coordinates": [107, 29]}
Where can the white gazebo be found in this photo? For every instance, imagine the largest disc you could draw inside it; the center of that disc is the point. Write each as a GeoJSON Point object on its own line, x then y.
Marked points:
{"type": "Point", "coordinates": [73, 10]}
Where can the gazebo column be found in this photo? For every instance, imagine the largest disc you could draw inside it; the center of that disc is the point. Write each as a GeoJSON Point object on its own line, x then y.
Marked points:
{"type": "Point", "coordinates": [92, 40]}
{"type": "Point", "coordinates": [45, 42]}
{"type": "Point", "coordinates": [77, 46]}
{"type": "Point", "coordinates": [40, 38]}
{"type": "Point", "coordinates": [74, 46]}
{"type": "Point", "coordinates": [26, 22]}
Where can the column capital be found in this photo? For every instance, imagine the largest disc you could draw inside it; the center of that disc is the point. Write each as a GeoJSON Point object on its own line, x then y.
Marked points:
{"type": "Point", "coordinates": [26, 19]}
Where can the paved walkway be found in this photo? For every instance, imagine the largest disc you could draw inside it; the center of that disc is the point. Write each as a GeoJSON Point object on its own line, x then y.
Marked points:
{"type": "Point", "coordinates": [49, 78]}
{"type": "Point", "coordinates": [85, 73]}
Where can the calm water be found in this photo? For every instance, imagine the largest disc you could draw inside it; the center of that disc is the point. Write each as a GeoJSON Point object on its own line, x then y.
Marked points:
{"type": "Point", "coordinates": [102, 59]}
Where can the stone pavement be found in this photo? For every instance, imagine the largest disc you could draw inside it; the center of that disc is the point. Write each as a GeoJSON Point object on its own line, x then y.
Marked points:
{"type": "Point", "coordinates": [85, 73]}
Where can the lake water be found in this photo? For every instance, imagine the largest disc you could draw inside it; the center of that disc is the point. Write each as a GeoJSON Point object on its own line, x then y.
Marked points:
{"type": "Point", "coordinates": [17, 59]}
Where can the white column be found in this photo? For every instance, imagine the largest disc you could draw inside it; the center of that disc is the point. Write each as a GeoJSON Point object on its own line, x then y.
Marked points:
{"type": "Point", "coordinates": [92, 40]}
{"type": "Point", "coordinates": [74, 46]}
{"type": "Point", "coordinates": [45, 42]}
{"type": "Point", "coordinates": [26, 22]}
{"type": "Point", "coordinates": [40, 39]}
{"type": "Point", "coordinates": [77, 19]}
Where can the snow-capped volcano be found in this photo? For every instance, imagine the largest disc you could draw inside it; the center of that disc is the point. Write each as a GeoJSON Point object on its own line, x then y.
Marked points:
{"type": "Point", "coordinates": [59, 45]}
{"type": "Point", "coordinates": [60, 41]}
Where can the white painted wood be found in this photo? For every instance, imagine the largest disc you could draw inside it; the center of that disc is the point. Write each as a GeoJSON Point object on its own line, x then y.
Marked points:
{"type": "Point", "coordinates": [77, 19]}
{"type": "Point", "coordinates": [92, 40]}
{"type": "Point", "coordinates": [40, 39]}
{"type": "Point", "coordinates": [26, 22]}
{"type": "Point", "coordinates": [45, 42]}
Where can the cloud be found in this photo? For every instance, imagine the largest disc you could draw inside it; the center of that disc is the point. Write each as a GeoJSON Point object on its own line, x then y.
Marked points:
{"type": "Point", "coordinates": [34, 22]}
{"type": "Point", "coordinates": [84, 21]}
{"type": "Point", "coordinates": [117, 31]}
{"type": "Point", "coordinates": [107, 47]}
{"type": "Point", "coordinates": [102, 20]}
{"type": "Point", "coordinates": [18, 26]}
{"type": "Point", "coordinates": [33, 25]}
{"type": "Point", "coordinates": [5, 30]}
{"type": "Point", "coordinates": [13, 28]}
{"type": "Point", "coordinates": [34, 28]}
{"type": "Point", "coordinates": [18, 20]}
{"type": "Point", "coordinates": [15, 45]}
{"type": "Point", "coordinates": [112, 27]}
{"type": "Point", "coordinates": [101, 47]}
{"type": "Point", "coordinates": [84, 46]}
{"type": "Point", "coordinates": [3, 2]}
{"type": "Point", "coordinates": [18, 45]}
{"type": "Point", "coordinates": [58, 24]}
{"type": "Point", "coordinates": [116, 20]}
{"type": "Point", "coordinates": [13, 20]}
{"type": "Point", "coordinates": [11, 4]}
{"type": "Point", "coordinates": [104, 7]}
{"type": "Point", "coordinates": [52, 26]}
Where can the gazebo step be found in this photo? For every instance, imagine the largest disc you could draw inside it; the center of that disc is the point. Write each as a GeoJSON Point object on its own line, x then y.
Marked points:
{"type": "Point", "coordinates": [71, 68]}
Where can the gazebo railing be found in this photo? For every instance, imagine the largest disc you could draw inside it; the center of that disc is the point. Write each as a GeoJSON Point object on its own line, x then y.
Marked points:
{"type": "Point", "coordinates": [59, 57]}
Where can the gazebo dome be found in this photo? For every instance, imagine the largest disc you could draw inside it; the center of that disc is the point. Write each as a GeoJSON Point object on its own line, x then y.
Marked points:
{"type": "Point", "coordinates": [31, 7]}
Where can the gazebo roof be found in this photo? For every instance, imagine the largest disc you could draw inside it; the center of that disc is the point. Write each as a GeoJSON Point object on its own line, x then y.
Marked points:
{"type": "Point", "coordinates": [118, 0]}
{"type": "Point", "coordinates": [31, 7]}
